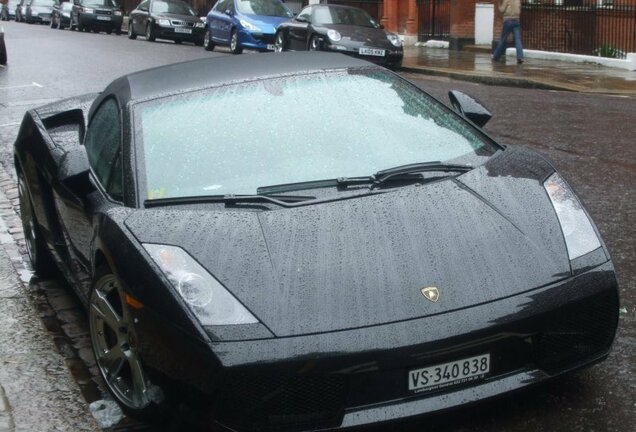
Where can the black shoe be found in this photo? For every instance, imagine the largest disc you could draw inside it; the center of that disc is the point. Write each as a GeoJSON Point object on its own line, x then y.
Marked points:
{"type": "Point", "coordinates": [519, 61]}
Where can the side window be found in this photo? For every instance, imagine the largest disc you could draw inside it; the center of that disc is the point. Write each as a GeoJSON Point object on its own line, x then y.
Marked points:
{"type": "Point", "coordinates": [305, 15]}
{"type": "Point", "coordinates": [144, 5]}
{"type": "Point", "coordinates": [221, 6]}
{"type": "Point", "coordinates": [103, 146]}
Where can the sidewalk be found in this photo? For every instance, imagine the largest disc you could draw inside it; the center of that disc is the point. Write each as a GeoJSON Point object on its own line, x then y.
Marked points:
{"type": "Point", "coordinates": [476, 66]}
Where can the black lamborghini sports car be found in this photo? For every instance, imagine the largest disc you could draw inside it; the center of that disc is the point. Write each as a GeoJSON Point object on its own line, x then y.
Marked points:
{"type": "Point", "coordinates": [375, 257]}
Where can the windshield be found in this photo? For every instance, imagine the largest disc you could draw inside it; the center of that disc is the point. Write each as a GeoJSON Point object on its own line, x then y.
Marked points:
{"type": "Point", "coordinates": [49, 3]}
{"type": "Point", "coordinates": [178, 8]}
{"type": "Point", "coordinates": [263, 7]}
{"type": "Point", "coordinates": [67, 6]}
{"type": "Point", "coordinates": [101, 3]}
{"type": "Point", "coordinates": [234, 139]}
{"type": "Point", "coordinates": [343, 15]}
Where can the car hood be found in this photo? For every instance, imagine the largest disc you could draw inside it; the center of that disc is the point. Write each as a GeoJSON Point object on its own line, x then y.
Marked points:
{"type": "Point", "coordinates": [172, 16]}
{"type": "Point", "coordinates": [488, 234]}
{"type": "Point", "coordinates": [267, 24]}
{"type": "Point", "coordinates": [359, 36]}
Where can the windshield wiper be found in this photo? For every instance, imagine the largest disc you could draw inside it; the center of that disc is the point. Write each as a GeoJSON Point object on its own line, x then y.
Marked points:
{"type": "Point", "coordinates": [280, 200]}
{"type": "Point", "coordinates": [316, 184]}
{"type": "Point", "coordinates": [385, 174]}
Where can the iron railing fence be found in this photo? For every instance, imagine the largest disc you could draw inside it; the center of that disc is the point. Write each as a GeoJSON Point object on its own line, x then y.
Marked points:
{"type": "Point", "coordinates": [372, 7]}
{"type": "Point", "coordinates": [591, 27]}
{"type": "Point", "coordinates": [434, 19]}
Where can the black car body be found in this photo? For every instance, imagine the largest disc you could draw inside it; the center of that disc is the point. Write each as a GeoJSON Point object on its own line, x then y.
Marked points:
{"type": "Point", "coordinates": [166, 19]}
{"type": "Point", "coordinates": [309, 304]}
{"type": "Point", "coordinates": [7, 10]}
{"type": "Point", "coordinates": [96, 15]}
{"type": "Point", "coordinates": [3, 48]}
{"type": "Point", "coordinates": [61, 15]}
{"type": "Point", "coordinates": [343, 29]}
{"type": "Point", "coordinates": [39, 11]}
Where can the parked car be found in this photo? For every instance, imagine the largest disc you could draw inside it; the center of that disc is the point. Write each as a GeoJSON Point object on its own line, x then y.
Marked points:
{"type": "Point", "coordinates": [343, 29]}
{"type": "Point", "coordinates": [20, 9]}
{"type": "Point", "coordinates": [61, 15]}
{"type": "Point", "coordinates": [166, 19]}
{"type": "Point", "coordinates": [39, 11]}
{"type": "Point", "coordinates": [245, 24]}
{"type": "Point", "coordinates": [96, 15]}
{"type": "Point", "coordinates": [7, 10]}
{"type": "Point", "coordinates": [377, 257]}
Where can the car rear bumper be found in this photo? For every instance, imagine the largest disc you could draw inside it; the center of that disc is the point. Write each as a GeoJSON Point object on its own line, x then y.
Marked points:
{"type": "Point", "coordinates": [360, 376]}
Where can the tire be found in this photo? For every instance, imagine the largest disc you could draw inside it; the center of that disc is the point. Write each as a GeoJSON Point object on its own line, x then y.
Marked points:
{"type": "Point", "coordinates": [178, 41]}
{"type": "Point", "coordinates": [109, 31]}
{"type": "Point", "coordinates": [60, 25]}
{"type": "Point", "coordinates": [150, 33]}
{"type": "Point", "coordinates": [314, 43]}
{"type": "Point", "coordinates": [208, 44]}
{"type": "Point", "coordinates": [198, 42]}
{"type": "Point", "coordinates": [115, 345]}
{"type": "Point", "coordinates": [279, 42]}
{"type": "Point", "coordinates": [235, 47]}
{"type": "Point", "coordinates": [131, 31]}
{"type": "Point", "coordinates": [39, 255]}
{"type": "Point", "coordinates": [117, 31]}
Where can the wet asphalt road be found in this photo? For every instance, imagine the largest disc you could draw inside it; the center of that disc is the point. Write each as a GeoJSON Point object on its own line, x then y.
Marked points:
{"type": "Point", "coordinates": [590, 138]}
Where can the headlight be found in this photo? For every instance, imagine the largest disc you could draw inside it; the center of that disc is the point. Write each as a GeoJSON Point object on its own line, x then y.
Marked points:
{"type": "Point", "coordinates": [394, 39]}
{"type": "Point", "coordinates": [163, 22]}
{"type": "Point", "coordinates": [334, 35]}
{"type": "Point", "coordinates": [199, 25]}
{"type": "Point", "coordinates": [207, 298]}
{"type": "Point", "coordinates": [580, 237]}
{"type": "Point", "coordinates": [117, 13]}
{"type": "Point", "coordinates": [87, 10]}
{"type": "Point", "coordinates": [249, 26]}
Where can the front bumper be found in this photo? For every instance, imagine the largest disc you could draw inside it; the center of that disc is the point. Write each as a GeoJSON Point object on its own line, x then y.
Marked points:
{"type": "Point", "coordinates": [393, 56]}
{"type": "Point", "coordinates": [100, 21]}
{"type": "Point", "coordinates": [40, 18]}
{"type": "Point", "coordinates": [173, 33]}
{"type": "Point", "coordinates": [355, 377]}
{"type": "Point", "coordinates": [256, 40]}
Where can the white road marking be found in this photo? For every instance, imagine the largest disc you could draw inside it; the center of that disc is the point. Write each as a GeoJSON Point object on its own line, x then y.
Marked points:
{"type": "Point", "coordinates": [33, 84]}
{"type": "Point", "coordinates": [9, 124]}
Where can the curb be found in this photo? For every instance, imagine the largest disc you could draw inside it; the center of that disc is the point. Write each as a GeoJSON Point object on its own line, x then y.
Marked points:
{"type": "Point", "coordinates": [502, 80]}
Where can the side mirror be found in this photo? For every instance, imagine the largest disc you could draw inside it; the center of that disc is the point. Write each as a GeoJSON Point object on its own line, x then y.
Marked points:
{"type": "Point", "coordinates": [469, 108]}
{"type": "Point", "coordinates": [74, 172]}
{"type": "Point", "coordinates": [76, 2]}
{"type": "Point", "coordinates": [143, 9]}
{"type": "Point", "coordinates": [228, 12]}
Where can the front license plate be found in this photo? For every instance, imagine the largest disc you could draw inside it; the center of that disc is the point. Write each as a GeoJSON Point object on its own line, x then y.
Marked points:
{"type": "Point", "coordinates": [449, 374]}
{"type": "Point", "coordinates": [271, 47]}
{"type": "Point", "coordinates": [371, 52]}
{"type": "Point", "coordinates": [183, 30]}
{"type": "Point", "coordinates": [103, 18]}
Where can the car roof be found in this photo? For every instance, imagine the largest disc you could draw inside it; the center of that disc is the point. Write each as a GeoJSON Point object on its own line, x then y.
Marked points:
{"type": "Point", "coordinates": [211, 72]}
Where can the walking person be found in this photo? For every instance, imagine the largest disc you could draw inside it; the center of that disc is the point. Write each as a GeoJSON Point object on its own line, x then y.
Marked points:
{"type": "Point", "coordinates": [511, 10]}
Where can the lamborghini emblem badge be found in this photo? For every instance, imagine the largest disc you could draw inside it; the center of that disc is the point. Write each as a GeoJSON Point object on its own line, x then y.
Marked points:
{"type": "Point", "coordinates": [430, 293]}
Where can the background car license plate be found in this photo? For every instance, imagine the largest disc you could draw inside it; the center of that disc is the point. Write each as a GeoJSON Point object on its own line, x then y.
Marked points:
{"type": "Point", "coordinates": [448, 374]}
{"type": "Point", "coordinates": [183, 30]}
{"type": "Point", "coordinates": [371, 52]}
{"type": "Point", "coordinates": [103, 18]}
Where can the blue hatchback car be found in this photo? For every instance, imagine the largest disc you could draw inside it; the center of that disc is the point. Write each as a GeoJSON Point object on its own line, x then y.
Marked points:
{"type": "Point", "coordinates": [245, 24]}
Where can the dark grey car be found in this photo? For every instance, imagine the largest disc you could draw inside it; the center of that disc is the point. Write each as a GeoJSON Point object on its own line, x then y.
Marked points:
{"type": "Point", "coordinates": [166, 19]}
{"type": "Point", "coordinates": [96, 15]}
{"type": "Point", "coordinates": [38, 11]}
{"type": "Point", "coordinates": [342, 29]}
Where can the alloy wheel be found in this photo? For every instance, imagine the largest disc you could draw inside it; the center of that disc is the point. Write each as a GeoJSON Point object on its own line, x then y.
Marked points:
{"type": "Point", "coordinates": [115, 344]}
{"type": "Point", "coordinates": [233, 41]}
{"type": "Point", "coordinates": [279, 45]}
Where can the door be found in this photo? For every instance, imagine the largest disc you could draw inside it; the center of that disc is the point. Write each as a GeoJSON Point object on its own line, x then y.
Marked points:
{"type": "Point", "coordinates": [222, 20]}
{"type": "Point", "coordinates": [298, 30]}
{"type": "Point", "coordinates": [140, 17]}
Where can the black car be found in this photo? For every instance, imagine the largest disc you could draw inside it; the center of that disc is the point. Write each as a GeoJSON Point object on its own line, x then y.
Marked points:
{"type": "Point", "coordinates": [96, 15]}
{"type": "Point", "coordinates": [374, 258]}
{"type": "Point", "coordinates": [7, 10]}
{"type": "Point", "coordinates": [38, 11]}
{"type": "Point", "coordinates": [61, 15]}
{"type": "Point", "coordinates": [343, 29]}
{"type": "Point", "coordinates": [166, 19]}
{"type": "Point", "coordinates": [3, 48]}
